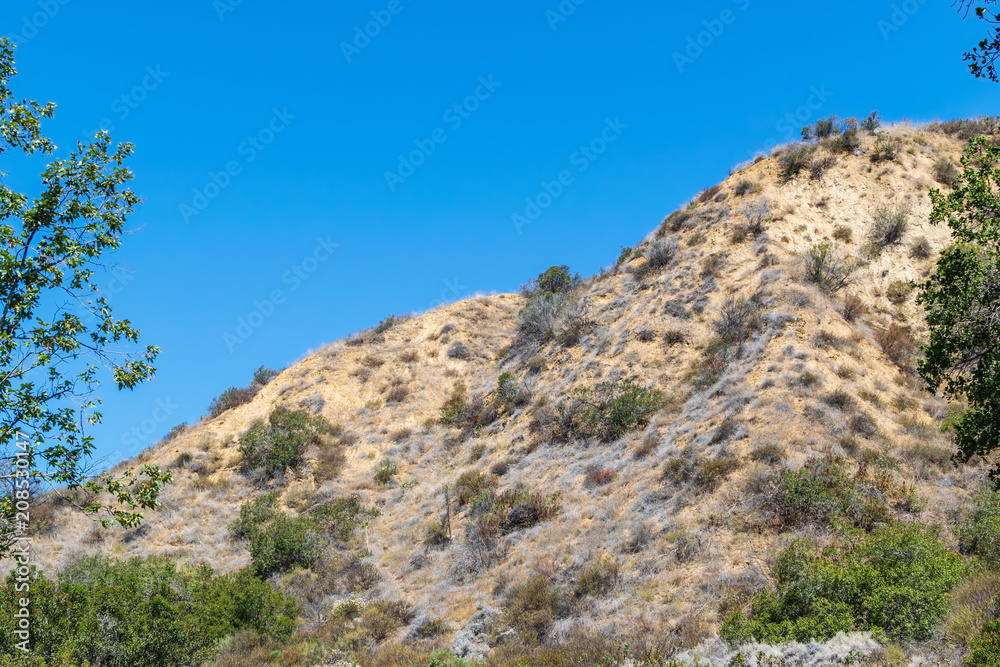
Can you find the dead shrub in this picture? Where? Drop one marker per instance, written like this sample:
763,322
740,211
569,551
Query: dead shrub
598,476
897,344
854,307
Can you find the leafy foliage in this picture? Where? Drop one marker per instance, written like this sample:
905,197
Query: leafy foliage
893,583
962,301
278,542
141,613
824,490
613,408
341,516
980,532
271,447
57,331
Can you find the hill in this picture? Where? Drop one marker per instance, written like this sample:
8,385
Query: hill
640,446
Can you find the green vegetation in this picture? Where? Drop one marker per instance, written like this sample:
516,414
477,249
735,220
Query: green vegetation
980,533
236,396
273,446
824,490
961,301
893,583
143,612
341,516
278,542
385,471
826,267
58,334
613,408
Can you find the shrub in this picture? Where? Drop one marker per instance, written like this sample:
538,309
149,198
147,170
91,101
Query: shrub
141,612
973,606
597,578
841,400
886,148
863,424
613,408
984,650
645,335
598,476
854,307
757,214
770,453
714,472
967,128
820,166
673,337
473,488
646,447
921,248
236,396
823,491
828,269
708,194
376,334
740,318
980,532
279,443
843,233
341,516
660,253
747,187
554,280
889,224
893,583
897,343
468,412
530,608
459,350
385,471
794,158
871,123
899,291
848,142
277,541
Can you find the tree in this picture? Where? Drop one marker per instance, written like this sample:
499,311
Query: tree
982,58
962,301
51,362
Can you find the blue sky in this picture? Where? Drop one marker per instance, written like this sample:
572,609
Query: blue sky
303,179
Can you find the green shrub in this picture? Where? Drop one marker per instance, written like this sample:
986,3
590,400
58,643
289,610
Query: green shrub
509,393
341,516
613,408
746,187
597,578
554,280
823,490
886,148
893,583
271,447
980,532
530,608
794,158
899,291
385,471
828,269
277,542
236,396
143,612
985,648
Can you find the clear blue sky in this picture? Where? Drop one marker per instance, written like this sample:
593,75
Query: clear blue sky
307,117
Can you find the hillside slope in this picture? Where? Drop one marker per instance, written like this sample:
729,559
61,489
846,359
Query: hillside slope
758,369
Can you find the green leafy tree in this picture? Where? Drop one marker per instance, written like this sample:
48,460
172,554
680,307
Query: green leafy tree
983,57
51,361
962,301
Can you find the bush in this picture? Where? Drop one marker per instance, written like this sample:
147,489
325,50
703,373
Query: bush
899,291
142,612
236,396
889,224
280,443
597,578
893,583
848,142
921,248
554,280
823,491
828,269
740,319
984,651
757,214
376,334
530,608
886,148
871,123
843,233
854,307
945,171
980,532
341,516
820,166
613,408
277,541
968,128
660,253
708,194
598,476
509,393
747,187
898,345
794,158
385,471
973,606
